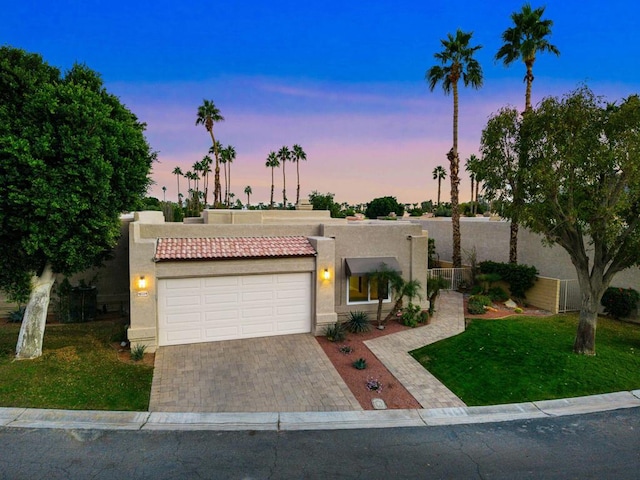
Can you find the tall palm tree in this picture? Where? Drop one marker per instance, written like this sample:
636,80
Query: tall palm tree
164,194
439,173
205,168
284,155
471,166
178,173
527,37
208,114
456,62
196,167
272,162
248,192
298,154
230,156
223,162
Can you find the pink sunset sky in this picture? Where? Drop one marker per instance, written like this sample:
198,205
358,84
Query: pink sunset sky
345,80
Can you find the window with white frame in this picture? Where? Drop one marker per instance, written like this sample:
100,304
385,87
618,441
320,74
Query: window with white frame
364,289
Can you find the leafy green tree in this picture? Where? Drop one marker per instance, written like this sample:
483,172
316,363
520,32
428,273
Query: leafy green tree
383,206
298,154
325,201
72,159
581,190
207,115
457,63
439,174
524,40
272,162
503,168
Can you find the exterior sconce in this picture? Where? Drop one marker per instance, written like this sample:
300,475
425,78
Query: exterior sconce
326,275
142,283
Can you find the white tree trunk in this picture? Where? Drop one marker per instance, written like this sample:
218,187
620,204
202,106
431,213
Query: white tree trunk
35,317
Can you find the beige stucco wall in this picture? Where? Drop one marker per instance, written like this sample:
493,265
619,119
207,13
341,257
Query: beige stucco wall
403,240
333,239
491,241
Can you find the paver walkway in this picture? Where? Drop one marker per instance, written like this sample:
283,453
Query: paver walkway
392,350
291,373
288,373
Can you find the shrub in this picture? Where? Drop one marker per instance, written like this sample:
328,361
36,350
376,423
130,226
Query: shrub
497,294
335,332
517,310
519,277
137,352
411,315
374,385
358,322
346,349
360,364
16,315
476,304
619,302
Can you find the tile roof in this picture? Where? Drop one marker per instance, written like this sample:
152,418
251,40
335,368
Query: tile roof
232,247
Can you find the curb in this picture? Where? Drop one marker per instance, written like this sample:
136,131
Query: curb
292,421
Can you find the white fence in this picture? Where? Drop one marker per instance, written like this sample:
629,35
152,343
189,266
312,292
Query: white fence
453,276
570,299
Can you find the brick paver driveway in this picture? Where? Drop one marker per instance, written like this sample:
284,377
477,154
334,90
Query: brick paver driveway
287,373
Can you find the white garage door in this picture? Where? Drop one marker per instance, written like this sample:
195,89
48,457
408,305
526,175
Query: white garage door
206,309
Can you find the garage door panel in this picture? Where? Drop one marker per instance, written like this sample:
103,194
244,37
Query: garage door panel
216,299
223,308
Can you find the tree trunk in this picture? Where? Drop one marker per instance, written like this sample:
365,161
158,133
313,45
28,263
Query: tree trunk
35,317
585,342
284,188
298,178
454,163
529,79
379,312
513,242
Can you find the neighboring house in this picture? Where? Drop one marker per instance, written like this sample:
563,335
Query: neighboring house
241,274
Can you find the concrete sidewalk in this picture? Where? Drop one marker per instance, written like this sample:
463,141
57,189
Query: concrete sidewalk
289,421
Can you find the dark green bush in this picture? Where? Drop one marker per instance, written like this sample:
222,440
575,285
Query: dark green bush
619,302
16,315
519,277
358,322
476,304
497,294
411,315
335,332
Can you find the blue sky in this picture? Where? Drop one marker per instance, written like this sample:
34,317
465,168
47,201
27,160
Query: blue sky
345,80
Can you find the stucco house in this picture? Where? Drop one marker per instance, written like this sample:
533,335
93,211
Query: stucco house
240,274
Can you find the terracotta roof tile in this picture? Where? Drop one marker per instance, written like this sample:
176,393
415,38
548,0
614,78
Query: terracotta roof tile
232,247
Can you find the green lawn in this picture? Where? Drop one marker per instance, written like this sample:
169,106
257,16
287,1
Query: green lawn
528,359
79,369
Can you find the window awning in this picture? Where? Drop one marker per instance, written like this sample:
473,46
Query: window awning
363,266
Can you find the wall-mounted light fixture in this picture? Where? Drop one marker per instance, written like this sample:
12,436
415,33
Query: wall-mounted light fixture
326,275
142,282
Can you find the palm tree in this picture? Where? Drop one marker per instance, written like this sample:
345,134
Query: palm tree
272,162
457,63
284,155
230,156
384,279
526,38
197,167
523,41
164,194
248,192
298,154
471,166
178,173
223,162
439,173
208,114
205,168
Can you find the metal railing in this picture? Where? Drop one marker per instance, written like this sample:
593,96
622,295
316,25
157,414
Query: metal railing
569,299
453,276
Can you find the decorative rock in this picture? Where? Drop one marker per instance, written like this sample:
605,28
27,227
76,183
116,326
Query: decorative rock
378,404
510,304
